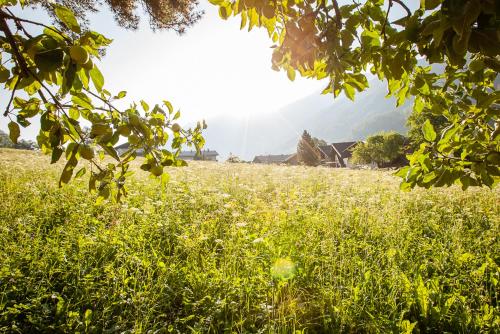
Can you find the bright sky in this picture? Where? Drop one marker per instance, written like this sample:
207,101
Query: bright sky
212,69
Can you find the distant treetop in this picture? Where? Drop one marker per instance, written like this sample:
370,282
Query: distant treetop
176,15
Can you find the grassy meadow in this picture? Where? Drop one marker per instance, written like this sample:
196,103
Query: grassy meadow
238,248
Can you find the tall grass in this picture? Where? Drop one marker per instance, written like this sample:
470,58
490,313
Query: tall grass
243,248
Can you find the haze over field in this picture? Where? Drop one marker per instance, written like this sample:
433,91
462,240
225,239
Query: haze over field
332,120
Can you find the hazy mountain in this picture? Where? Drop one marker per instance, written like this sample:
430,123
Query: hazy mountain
324,117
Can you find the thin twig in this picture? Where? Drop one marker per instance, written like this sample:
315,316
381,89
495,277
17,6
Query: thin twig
12,41
386,18
103,100
11,97
401,3
15,18
18,24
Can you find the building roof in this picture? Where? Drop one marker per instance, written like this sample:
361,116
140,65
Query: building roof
276,158
291,157
343,149
124,146
192,154
183,154
326,149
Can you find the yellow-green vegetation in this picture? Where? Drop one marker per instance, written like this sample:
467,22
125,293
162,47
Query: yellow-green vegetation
242,248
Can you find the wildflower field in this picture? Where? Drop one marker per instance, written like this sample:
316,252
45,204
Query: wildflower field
239,248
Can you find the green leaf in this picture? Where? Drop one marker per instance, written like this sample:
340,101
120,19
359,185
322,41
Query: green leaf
48,61
476,65
402,172
253,18
121,95
370,38
86,152
164,180
97,78
393,86
290,72
66,16
169,106
429,4
225,12
69,78
428,131
349,91
156,170
82,75
54,33
8,2
46,121
56,154
494,158
4,74
419,104
145,106
429,177
99,129
111,151
74,113
29,108
14,131
87,317
358,81
402,95
81,172
71,149
83,101
68,169
243,20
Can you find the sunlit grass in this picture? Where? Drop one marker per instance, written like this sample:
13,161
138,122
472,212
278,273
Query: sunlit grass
245,248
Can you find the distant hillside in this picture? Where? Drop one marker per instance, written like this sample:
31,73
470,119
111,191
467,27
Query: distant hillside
324,117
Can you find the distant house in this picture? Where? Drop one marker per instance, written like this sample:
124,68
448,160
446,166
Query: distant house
327,155
120,149
337,154
205,155
271,159
292,159
184,155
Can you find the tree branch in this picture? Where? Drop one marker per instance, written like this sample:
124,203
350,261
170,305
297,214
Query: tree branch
401,3
103,100
386,18
12,41
18,24
18,19
338,15
11,97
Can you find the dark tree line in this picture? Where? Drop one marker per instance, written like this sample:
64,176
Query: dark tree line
21,144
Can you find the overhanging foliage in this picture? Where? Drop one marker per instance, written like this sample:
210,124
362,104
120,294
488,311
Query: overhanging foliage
54,75
344,41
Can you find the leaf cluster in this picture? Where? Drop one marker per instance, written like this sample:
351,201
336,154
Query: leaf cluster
383,149
54,75
345,41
